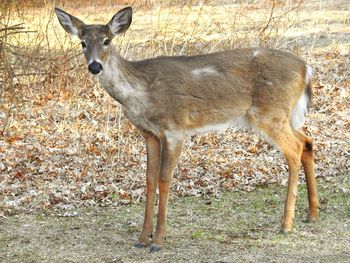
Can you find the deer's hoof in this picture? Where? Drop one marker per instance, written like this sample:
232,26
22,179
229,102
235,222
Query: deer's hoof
140,245
155,248
313,217
285,231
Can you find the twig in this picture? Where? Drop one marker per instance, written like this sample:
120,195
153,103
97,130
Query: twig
268,21
17,32
14,27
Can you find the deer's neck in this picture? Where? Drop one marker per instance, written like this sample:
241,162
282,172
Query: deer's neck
128,86
120,79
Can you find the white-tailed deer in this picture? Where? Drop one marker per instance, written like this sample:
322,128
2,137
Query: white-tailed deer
168,98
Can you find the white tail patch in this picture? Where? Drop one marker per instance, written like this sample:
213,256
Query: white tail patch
308,74
297,116
206,71
299,111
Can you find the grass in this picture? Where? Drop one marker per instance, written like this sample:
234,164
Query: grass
236,227
62,140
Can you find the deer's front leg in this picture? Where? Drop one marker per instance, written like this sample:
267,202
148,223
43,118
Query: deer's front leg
171,150
153,166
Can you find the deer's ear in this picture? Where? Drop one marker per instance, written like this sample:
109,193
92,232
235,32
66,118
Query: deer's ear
70,23
121,21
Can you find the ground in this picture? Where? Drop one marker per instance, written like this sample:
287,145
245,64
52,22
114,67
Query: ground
238,227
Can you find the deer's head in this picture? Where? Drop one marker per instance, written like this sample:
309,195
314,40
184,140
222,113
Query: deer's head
96,39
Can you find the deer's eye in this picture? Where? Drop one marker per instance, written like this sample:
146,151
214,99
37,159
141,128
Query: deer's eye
106,42
83,44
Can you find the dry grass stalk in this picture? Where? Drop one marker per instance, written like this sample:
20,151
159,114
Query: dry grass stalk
65,142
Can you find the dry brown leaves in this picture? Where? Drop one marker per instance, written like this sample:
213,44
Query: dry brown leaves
69,147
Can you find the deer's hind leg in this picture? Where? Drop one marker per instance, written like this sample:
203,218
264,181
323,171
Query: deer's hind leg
307,159
279,131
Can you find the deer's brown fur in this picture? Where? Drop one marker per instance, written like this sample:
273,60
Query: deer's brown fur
167,98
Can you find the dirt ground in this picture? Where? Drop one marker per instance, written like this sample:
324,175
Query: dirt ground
239,227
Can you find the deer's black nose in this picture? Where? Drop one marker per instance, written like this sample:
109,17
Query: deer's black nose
95,67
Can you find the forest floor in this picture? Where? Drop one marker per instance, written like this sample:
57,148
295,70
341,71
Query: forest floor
238,227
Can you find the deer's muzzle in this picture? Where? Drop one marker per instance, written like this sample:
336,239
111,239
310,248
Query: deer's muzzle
95,67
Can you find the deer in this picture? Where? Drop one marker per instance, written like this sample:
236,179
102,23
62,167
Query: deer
170,97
